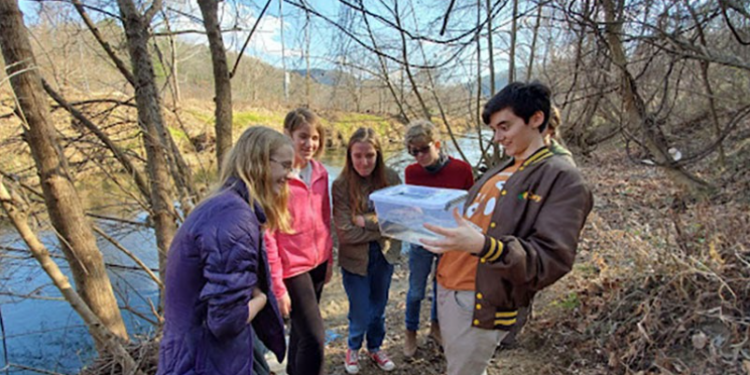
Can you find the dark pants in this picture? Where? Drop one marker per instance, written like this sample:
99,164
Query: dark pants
368,296
307,339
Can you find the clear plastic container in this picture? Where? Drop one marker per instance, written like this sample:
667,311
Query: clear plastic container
403,209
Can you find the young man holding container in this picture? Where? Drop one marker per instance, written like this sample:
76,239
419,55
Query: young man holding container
433,168
530,210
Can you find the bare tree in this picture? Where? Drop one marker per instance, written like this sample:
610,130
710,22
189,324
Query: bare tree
532,49
222,80
635,106
63,204
157,140
513,35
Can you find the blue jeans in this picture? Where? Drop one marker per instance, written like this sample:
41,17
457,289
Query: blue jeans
420,267
368,296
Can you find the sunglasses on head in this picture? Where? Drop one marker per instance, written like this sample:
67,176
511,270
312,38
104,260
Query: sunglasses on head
414,151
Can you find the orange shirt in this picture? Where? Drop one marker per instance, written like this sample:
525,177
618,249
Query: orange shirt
457,270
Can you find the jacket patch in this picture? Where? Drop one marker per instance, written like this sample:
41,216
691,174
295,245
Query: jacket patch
528,195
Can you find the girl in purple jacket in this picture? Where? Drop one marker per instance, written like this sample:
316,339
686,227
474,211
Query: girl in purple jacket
218,285
301,261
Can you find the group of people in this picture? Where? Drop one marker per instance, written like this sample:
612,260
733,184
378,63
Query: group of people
260,248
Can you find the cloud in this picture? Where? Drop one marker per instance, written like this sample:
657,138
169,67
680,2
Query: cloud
266,40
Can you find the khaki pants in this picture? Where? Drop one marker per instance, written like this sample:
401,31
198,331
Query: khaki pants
468,349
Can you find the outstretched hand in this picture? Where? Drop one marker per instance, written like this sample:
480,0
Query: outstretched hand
465,237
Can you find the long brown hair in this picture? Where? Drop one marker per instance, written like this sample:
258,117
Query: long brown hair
250,161
299,116
355,182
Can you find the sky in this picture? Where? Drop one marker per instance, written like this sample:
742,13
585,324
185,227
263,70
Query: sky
266,41
290,21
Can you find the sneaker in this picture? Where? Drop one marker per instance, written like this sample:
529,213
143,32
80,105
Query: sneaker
381,359
351,362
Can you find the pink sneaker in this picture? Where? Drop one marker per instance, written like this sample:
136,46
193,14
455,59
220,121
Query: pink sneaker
351,362
381,359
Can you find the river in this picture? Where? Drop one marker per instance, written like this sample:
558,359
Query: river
42,331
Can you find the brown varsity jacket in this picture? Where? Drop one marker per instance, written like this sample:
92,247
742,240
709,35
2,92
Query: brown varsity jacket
532,238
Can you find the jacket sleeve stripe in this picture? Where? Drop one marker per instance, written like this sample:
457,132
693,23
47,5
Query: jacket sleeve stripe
491,244
499,251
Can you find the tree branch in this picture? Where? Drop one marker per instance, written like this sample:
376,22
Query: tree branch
247,41
445,18
105,45
118,153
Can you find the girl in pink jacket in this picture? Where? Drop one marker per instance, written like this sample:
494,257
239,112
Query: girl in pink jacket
301,261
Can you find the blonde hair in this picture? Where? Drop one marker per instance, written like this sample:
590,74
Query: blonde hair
554,122
250,161
358,197
420,130
300,116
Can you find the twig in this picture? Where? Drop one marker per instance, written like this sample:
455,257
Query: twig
118,220
445,18
130,254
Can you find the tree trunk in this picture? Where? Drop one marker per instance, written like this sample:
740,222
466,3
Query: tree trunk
512,53
707,83
107,340
478,112
155,134
283,52
496,152
533,42
63,204
489,48
635,106
173,71
222,83
307,59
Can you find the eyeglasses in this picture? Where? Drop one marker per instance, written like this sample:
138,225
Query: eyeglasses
414,151
286,165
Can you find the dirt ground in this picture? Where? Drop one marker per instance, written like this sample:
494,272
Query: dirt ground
530,356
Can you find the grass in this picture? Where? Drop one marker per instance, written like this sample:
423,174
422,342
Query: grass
242,119
348,122
344,123
568,302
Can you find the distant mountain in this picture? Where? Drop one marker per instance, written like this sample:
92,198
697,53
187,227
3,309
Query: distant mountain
501,80
323,76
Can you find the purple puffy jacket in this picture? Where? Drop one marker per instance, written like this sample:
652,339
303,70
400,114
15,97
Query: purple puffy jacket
217,257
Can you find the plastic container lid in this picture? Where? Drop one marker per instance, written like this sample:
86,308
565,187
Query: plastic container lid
422,196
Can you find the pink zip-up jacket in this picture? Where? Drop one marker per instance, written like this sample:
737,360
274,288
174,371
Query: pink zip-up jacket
311,244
